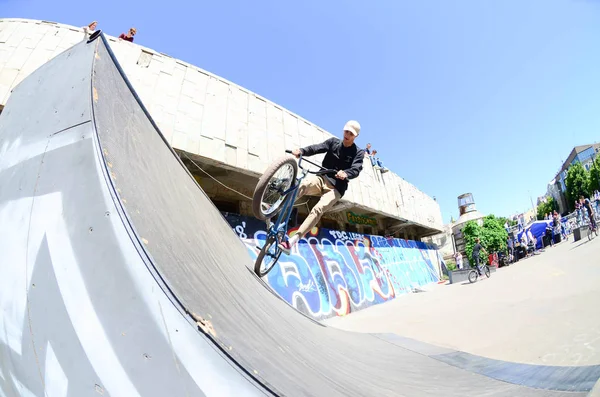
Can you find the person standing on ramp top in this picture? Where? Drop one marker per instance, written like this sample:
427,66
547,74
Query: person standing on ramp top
342,155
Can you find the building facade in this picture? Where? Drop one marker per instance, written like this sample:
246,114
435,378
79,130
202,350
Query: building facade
557,187
225,134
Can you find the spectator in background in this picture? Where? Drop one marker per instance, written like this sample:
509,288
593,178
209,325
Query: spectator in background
532,241
377,164
563,230
91,28
129,35
578,210
556,229
549,234
586,205
511,248
458,259
524,241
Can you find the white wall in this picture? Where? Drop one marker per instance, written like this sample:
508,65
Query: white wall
204,114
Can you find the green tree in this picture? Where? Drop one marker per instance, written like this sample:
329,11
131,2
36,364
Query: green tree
594,180
545,208
491,233
470,232
494,235
577,182
503,220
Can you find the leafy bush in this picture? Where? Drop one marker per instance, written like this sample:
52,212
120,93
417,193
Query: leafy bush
451,266
471,231
492,235
503,220
546,208
594,176
577,182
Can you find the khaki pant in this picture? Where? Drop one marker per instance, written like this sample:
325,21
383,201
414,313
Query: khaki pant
314,185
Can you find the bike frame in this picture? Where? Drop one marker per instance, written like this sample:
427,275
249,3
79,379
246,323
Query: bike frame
280,226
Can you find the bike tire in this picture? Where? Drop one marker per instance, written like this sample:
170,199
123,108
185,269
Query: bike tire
472,276
263,182
487,271
261,255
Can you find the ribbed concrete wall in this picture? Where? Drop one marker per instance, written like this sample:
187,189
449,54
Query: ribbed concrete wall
204,114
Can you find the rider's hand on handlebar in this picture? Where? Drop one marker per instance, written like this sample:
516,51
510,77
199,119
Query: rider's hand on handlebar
296,152
341,175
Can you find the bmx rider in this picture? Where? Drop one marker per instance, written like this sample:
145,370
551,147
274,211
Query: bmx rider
340,154
586,203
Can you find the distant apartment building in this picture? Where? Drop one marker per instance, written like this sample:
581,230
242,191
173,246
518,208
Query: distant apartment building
557,187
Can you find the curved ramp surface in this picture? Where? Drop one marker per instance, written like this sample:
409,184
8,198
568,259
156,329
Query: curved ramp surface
121,277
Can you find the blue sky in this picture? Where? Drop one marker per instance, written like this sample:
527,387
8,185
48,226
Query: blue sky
457,96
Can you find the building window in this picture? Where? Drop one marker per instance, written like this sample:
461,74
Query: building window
327,224
144,59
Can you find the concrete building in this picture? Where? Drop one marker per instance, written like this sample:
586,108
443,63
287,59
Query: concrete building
583,154
225,134
468,212
451,239
443,242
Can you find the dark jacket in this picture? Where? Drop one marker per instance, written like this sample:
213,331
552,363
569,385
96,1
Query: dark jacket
337,157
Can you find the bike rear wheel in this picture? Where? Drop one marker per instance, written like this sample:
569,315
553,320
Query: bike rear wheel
268,256
278,178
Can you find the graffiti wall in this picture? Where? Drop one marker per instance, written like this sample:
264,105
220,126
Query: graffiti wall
333,273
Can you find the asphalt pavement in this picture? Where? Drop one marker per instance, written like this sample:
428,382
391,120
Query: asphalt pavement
540,310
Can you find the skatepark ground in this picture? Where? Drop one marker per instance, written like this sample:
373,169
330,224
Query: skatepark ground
541,310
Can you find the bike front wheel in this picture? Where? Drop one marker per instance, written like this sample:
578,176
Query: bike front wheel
268,194
487,271
472,276
267,257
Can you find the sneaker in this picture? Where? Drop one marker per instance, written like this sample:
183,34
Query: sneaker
286,247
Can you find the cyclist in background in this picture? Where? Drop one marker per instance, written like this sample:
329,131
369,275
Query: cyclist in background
476,249
587,204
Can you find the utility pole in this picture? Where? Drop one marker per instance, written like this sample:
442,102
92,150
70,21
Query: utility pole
532,206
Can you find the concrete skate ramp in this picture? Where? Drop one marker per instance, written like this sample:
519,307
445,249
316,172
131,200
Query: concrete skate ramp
122,278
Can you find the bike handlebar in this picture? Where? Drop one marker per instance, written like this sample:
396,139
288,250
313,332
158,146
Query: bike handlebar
321,172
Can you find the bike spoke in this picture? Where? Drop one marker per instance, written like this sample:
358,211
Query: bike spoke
279,183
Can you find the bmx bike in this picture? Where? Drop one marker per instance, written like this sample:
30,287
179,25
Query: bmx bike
474,274
275,193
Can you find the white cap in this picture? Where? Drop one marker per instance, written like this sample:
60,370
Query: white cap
353,127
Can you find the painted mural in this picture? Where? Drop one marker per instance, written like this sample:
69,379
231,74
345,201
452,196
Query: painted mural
333,273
